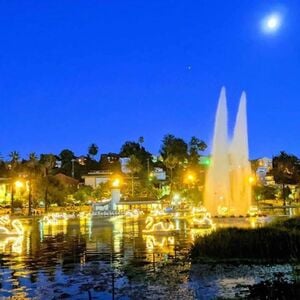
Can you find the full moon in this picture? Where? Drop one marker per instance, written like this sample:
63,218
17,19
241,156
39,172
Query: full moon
271,23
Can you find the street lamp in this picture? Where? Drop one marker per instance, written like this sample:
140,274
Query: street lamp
116,183
19,184
251,180
14,185
190,179
73,170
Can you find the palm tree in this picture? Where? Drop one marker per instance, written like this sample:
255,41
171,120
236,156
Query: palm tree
47,163
32,169
15,156
171,162
134,165
93,150
13,165
141,141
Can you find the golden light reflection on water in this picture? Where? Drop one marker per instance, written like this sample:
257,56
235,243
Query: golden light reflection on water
53,229
11,245
50,248
164,244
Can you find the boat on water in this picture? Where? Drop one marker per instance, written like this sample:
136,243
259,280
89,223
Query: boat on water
161,227
11,229
203,222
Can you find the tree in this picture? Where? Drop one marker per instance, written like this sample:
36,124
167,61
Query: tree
110,162
262,192
141,141
32,169
15,156
102,191
93,150
134,165
132,148
47,164
67,160
171,162
195,146
286,171
83,194
172,145
13,166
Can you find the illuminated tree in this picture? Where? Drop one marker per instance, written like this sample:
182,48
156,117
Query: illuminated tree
286,170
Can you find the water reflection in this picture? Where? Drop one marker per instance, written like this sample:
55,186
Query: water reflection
67,255
11,245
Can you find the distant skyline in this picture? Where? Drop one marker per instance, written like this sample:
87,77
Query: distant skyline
104,72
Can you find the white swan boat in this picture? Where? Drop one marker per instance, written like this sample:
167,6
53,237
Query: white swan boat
15,228
204,222
161,227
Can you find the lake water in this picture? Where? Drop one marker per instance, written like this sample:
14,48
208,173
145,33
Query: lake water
106,258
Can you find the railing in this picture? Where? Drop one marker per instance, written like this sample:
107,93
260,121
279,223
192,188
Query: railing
107,213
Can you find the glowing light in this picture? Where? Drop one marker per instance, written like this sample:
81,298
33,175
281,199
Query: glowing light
153,242
15,230
116,183
176,197
190,177
159,227
251,179
19,184
15,242
199,210
205,222
253,211
54,218
4,220
222,210
271,23
133,213
49,219
207,161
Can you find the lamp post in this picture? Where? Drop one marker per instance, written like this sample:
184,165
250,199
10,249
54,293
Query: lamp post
73,169
15,185
190,179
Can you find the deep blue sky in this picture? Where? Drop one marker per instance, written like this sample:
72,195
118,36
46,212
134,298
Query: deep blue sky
77,72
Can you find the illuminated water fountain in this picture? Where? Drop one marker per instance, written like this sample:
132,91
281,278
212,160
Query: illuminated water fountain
227,187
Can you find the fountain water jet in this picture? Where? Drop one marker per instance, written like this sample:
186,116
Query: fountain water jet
240,169
227,186
217,186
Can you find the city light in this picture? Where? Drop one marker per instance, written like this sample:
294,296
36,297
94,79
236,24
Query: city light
19,184
116,183
15,229
251,179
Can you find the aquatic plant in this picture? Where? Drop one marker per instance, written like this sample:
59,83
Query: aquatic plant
279,242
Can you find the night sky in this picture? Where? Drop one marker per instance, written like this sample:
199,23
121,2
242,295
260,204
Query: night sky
77,72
